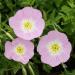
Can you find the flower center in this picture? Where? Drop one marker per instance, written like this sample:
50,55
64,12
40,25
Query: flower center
28,25
54,48
20,50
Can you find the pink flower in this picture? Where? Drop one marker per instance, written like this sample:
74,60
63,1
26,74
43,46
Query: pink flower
54,48
19,50
27,23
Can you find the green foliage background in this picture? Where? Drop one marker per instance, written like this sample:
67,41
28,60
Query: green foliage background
58,14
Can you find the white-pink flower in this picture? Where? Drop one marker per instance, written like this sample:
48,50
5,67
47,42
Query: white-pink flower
19,50
27,23
54,48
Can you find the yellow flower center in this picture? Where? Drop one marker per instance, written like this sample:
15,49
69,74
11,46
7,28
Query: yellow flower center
20,50
28,25
54,48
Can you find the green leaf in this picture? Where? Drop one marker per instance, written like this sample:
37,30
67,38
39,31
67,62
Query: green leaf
9,4
47,68
71,3
65,9
7,65
69,73
16,66
26,2
58,2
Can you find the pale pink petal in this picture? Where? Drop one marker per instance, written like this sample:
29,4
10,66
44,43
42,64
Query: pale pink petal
11,54
27,13
61,57
8,50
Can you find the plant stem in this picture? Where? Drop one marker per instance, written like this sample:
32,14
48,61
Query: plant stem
30,68
24,70
58,26
54,27
8,34
2,73
64,67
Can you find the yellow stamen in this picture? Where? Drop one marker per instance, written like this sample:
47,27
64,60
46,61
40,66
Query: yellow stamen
54,48
20,50
27,25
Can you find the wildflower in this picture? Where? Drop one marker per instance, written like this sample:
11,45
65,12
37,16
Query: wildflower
19,50
54,48
27,23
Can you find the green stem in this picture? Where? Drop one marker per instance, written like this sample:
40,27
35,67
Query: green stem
0,17
24,70
33,1
8,34
54,26
30,68
58,26
64,67
2,73
6,72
